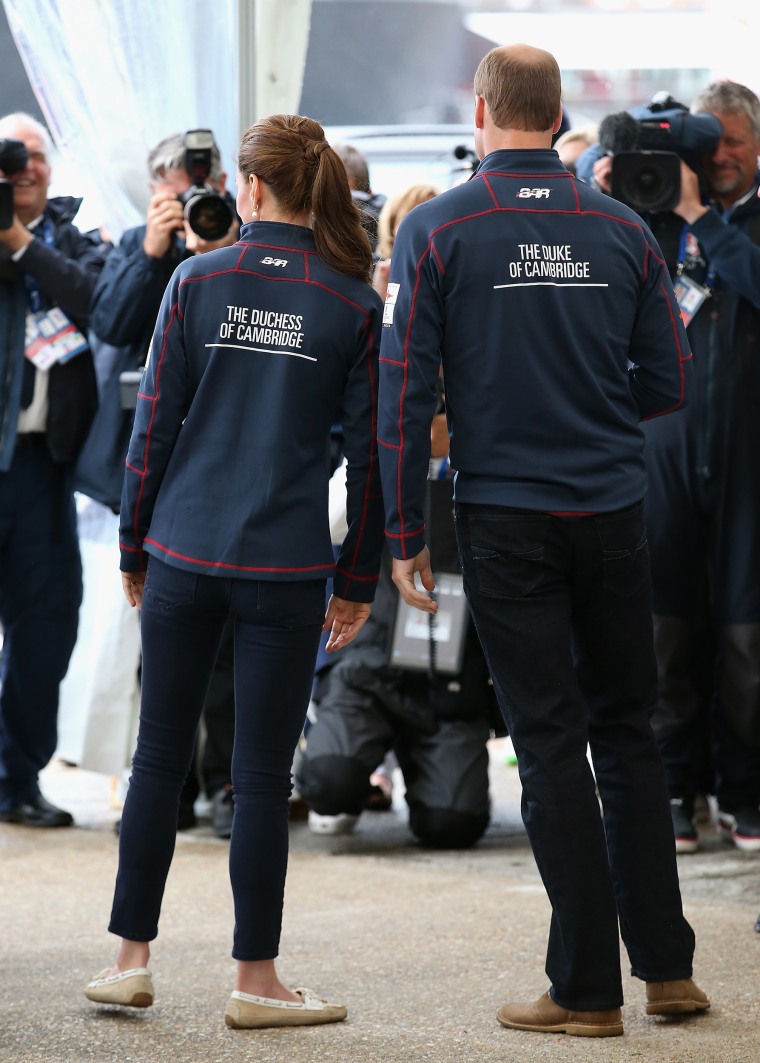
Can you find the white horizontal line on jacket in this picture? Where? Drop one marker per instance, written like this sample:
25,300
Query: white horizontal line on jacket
262,350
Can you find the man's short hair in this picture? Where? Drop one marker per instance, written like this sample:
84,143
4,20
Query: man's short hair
169,154
355,164
9,121
729,97
522,87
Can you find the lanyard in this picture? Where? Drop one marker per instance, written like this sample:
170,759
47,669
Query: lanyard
711,275
34,296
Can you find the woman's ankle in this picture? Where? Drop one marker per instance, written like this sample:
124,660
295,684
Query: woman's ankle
132,954
260,979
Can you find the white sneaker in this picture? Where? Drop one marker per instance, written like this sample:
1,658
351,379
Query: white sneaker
343,823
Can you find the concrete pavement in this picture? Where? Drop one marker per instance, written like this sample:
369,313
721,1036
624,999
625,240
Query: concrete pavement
422,946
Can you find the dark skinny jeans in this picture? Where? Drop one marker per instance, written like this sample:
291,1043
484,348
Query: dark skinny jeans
277,632
563,611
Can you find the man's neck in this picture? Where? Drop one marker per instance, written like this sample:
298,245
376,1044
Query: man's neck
518,139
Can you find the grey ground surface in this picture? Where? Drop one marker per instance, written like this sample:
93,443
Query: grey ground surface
422,946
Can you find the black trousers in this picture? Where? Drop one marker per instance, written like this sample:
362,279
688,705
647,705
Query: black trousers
563,611
40,595
277,631
704,535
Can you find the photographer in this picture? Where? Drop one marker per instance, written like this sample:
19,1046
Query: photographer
703,501
124,310
438,724
126,300
48,270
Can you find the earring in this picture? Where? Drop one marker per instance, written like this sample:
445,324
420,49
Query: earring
254,210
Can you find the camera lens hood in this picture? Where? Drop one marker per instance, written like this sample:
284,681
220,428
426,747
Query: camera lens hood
208,214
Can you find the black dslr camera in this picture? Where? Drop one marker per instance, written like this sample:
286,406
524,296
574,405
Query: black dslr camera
13,159
208,213
647,145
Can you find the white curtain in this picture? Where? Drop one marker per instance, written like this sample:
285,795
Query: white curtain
113,77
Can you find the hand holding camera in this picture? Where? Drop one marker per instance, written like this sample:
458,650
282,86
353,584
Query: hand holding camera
648,147
199,212
690,206
165,217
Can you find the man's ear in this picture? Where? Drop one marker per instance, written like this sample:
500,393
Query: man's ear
480,111
557,121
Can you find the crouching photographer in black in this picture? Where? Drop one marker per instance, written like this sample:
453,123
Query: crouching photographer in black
424,695
703,503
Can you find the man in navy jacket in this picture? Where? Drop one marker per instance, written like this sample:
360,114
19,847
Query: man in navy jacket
49,269
125,305
551,311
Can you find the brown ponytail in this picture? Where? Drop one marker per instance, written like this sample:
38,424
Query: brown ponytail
290,154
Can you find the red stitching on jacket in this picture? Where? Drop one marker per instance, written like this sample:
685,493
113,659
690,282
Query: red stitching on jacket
372,446
143,475
238,568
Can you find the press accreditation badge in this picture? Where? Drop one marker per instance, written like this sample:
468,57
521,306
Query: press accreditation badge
390,304
51,338
690,296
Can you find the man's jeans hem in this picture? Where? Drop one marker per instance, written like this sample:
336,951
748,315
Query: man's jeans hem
595,1005
674,975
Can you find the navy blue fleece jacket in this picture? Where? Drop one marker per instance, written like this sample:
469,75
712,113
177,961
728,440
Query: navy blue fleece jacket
258,350
553,314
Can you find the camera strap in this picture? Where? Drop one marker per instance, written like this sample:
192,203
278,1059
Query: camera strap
50,336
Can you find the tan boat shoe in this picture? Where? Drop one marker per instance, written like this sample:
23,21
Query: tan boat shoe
546,1016
131,989
679,997
248,1012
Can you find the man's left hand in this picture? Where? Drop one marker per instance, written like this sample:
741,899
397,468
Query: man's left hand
403,577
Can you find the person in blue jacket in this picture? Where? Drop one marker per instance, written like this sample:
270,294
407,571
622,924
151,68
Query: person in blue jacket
124,307
258,350
550,308
126,301
48,270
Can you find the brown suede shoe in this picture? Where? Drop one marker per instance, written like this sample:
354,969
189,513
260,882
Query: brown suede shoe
546,1016
675,998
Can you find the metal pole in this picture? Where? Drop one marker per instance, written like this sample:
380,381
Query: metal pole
246,52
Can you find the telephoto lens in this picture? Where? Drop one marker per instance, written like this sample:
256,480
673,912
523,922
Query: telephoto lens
13,156
208,214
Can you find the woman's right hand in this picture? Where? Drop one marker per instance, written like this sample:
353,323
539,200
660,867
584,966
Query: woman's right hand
132,584
344,620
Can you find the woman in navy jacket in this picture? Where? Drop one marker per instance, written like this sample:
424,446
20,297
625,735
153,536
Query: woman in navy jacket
258,350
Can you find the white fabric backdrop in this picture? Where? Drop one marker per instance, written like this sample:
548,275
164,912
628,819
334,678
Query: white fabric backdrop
113,77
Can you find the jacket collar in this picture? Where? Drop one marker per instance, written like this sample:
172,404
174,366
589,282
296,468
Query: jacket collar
62,208
279,233
522,160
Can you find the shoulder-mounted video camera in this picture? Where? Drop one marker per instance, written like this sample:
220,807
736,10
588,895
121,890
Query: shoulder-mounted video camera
647,145
208,213
13,159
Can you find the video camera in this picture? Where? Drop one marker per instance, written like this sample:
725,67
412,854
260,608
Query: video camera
207,212
13,159
647,145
